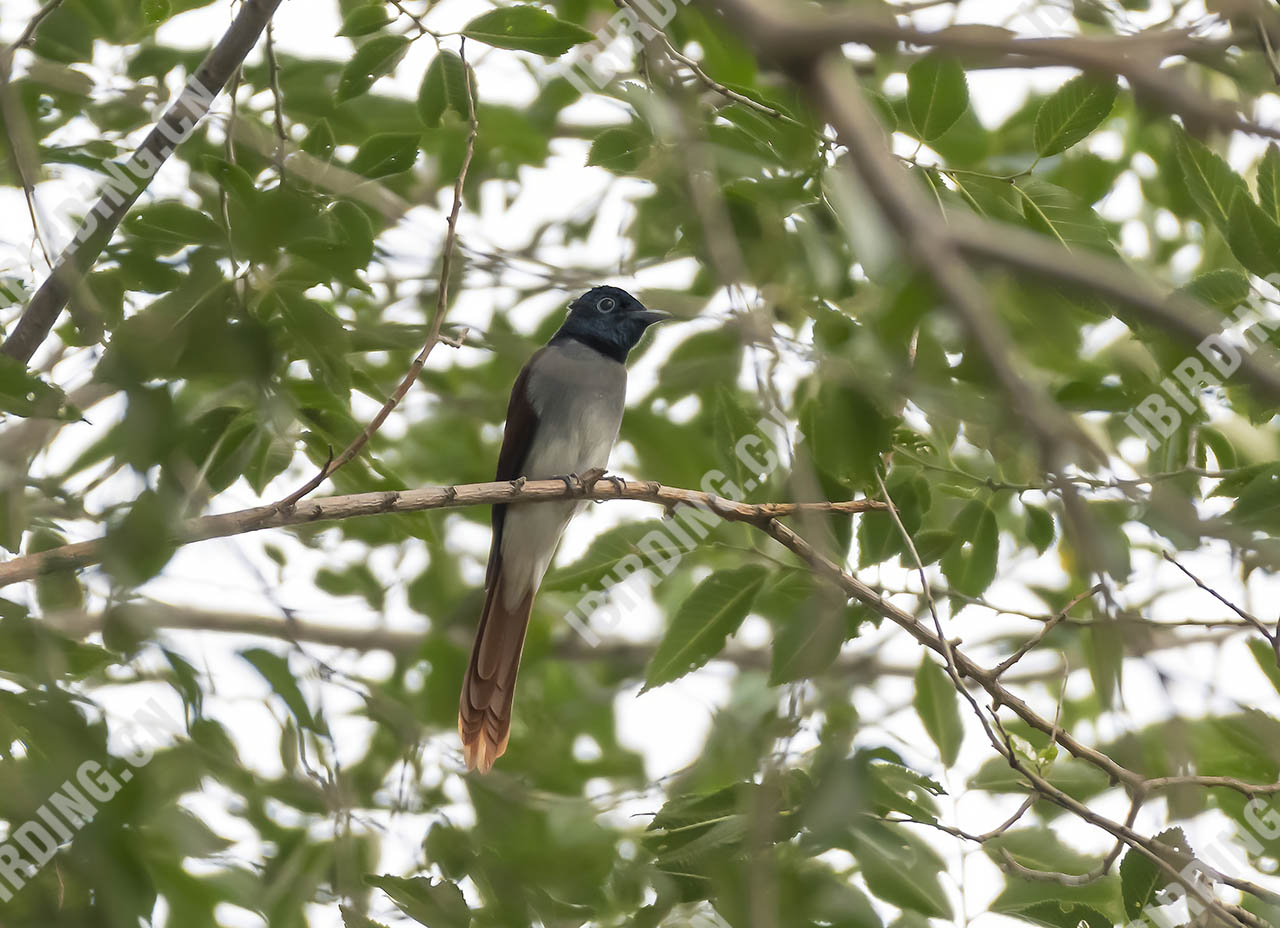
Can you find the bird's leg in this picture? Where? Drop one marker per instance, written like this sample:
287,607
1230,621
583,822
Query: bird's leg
570,480
618,482
590,478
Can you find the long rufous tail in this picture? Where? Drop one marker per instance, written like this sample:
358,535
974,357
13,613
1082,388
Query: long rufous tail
484,711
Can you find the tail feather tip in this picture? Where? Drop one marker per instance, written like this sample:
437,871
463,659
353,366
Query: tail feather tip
479,750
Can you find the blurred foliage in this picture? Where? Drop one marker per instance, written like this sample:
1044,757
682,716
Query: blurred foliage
244,326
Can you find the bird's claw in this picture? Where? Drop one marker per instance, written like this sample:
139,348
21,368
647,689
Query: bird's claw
583,482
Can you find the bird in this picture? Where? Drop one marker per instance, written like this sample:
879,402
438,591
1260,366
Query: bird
562,420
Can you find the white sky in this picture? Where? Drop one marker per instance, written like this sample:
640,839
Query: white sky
669,724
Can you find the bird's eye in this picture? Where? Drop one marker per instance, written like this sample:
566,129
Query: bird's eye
606,305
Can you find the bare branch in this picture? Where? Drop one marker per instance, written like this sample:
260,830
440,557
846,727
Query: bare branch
1049,625
150,617
835,92
1248,617
796,33
41,15
333,508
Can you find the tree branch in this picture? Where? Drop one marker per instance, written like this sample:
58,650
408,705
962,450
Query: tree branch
82,554
150,617
834,90
98,226
795,33
1175,313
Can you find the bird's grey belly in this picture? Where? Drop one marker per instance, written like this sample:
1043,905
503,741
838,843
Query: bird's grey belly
576,432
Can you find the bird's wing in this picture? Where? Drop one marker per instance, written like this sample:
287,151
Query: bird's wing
517,439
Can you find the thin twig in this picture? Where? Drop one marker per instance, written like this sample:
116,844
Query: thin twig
433,337
1248,617
1049,625
277,99
41,15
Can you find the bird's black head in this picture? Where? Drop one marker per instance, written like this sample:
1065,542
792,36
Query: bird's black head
608,319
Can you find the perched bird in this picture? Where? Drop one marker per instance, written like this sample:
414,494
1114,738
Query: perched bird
563,418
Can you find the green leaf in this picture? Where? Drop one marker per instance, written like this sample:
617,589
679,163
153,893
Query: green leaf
444,87
1074,777
1020,895
232,178
1039,847
846,432
742,452
1254,237
172,226
437,903
654,541
1062,914
1141,878
1265,655
353,919
883,109
13,519
156,11
900,868
805,647
939,709
1269,182
1221,288
1039,527
619,149
365,19
891,787
1073,111
526,28
59,590
933,543
937,94
386,153
1062,215
29,650
1209,179
880,538
711,613
320,336
141,543
319,140
23,393
1104,650
275,670
372,60
810,624
971,566
1223,452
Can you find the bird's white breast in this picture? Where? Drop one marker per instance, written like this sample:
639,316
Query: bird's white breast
578,395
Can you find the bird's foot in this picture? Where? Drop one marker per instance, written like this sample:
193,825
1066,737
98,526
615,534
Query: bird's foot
583,482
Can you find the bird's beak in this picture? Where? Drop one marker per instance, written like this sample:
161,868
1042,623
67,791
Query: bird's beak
650,316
